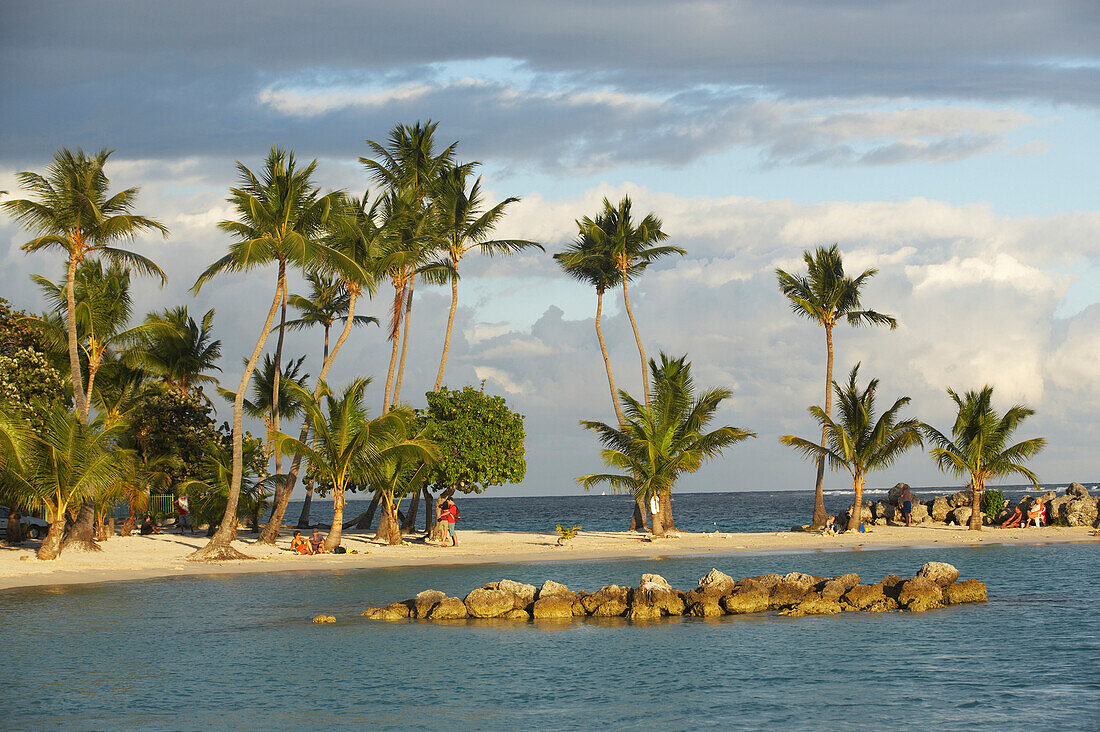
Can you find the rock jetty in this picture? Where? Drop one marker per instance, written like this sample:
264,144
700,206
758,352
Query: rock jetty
1075,507
936,585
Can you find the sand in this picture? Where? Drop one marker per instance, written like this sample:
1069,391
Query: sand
135,558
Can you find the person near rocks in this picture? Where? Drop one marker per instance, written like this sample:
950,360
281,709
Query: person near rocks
830,526
183,507
1037,513
449,514
1013,521
317,542
300,544
907,505
148,526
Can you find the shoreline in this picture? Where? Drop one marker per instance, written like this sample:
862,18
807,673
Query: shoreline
137,558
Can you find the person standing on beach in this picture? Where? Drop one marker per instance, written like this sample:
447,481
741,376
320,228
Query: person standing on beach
449,517
183,505
907,505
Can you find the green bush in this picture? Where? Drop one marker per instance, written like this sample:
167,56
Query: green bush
993,502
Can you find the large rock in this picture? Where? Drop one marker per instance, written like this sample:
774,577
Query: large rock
1077,490
704,600
891,585
716,583
970,590
424,601
960,516
550,588
607,602
894,494
524,594
960,498
750,596
940,508
553,607
396,611
655,592
920,594
1047,497
834,589
787,594
1081,512
449,608
806,581
516,614
941,573
767,581
863,597
489,603
815,606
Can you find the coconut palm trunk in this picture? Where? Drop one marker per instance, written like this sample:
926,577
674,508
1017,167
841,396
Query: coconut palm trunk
74,354
307,504
447,336
335,532
51,545
607,360
637,339
389,528
395,329
855,516
820,516
404,342
271,530
658,524
976,488
279,365
219,546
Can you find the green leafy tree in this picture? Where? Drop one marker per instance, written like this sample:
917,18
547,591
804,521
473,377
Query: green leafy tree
826,296
29,385
858,442
70,209
465,224
171,431
664,440
979,445
17,331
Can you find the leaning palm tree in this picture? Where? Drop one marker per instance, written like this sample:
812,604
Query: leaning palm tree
184,355
632,248
664,440
259,406
71,210
978,446
858,442
826,296
282,216
346,445
66,464
464,225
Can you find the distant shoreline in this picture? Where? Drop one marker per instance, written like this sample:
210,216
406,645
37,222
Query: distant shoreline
138,558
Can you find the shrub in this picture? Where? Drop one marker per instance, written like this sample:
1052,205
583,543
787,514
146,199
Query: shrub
565,534
993,502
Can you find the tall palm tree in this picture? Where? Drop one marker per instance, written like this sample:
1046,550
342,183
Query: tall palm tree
978,446
858,442
71,209
354,238
632,247
664,439
281,218
184,355
104,307
67,463
326,303
464,225
347,445
826,296
260,406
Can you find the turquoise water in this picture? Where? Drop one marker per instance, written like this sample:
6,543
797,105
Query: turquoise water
239,652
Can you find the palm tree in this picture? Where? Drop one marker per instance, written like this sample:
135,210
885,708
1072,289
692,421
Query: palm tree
408,165
182,356
68,463
282,216
104,306
260,406
664,439
632,248
978,446
825,296
347,446
326,303
465,225
859,443
70,209
354,238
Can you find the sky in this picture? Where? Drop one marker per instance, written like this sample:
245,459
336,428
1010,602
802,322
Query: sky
953,146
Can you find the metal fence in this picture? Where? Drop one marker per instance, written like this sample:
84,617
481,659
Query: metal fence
160,507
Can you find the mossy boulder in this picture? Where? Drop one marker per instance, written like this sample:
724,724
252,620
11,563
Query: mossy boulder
424,601
489,603
787,594
553,607
970,590
863,597
449,608
323,619
920,594
750,596
835,587
941,573
608,601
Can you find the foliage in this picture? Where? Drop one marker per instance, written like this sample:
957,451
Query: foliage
565,534
666,439
166,423
993,502
480,439
29,385
182,354
825,294
16,332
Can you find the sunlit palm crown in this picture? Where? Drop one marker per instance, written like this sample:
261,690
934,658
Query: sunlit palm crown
667,439
262,389
183,355
857,441
408,161
979,445
632,247
826,294
462,221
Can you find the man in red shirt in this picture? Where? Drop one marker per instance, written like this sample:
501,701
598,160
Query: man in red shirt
449,516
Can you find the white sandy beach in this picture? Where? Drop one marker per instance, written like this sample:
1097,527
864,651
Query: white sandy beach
165,555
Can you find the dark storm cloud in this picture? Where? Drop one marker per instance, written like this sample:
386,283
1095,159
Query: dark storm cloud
167,79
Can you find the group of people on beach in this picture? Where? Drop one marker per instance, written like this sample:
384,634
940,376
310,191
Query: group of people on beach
315,544
446,516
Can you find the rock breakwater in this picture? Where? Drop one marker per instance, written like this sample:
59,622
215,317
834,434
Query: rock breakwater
936,585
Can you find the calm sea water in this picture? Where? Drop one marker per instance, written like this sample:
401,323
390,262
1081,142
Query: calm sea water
741,511
239,652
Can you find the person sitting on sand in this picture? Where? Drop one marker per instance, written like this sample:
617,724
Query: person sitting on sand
317,542
299,544
148,526
1013,521
1037,513
830,526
